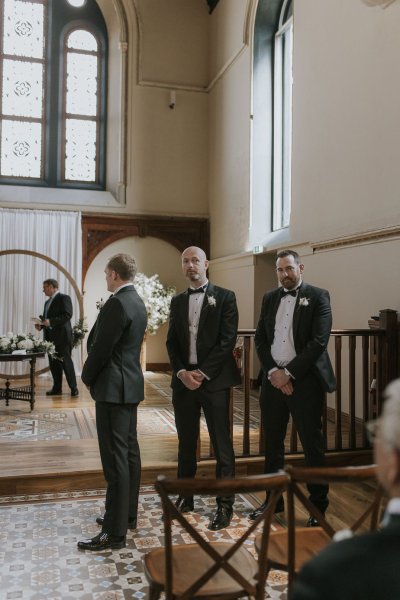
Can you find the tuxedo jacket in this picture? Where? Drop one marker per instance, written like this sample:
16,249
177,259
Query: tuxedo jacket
60,314
365,567
312,323
216,338
112,369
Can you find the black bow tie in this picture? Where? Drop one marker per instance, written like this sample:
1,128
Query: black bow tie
288,293
199,290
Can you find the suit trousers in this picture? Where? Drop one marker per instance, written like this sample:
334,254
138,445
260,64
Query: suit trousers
305,406
62,362
215,405
120,459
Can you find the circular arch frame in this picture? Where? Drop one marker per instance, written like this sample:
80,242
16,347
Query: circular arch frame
68,276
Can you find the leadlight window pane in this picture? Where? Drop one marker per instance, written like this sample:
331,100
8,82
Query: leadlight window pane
80,159
82,84
23,29
82,40
21,143
22,88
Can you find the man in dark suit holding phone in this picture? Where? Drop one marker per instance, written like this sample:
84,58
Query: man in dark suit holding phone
114,376
200,342
56,326
291,339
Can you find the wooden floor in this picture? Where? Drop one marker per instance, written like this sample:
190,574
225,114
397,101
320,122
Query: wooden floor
31,467
42,465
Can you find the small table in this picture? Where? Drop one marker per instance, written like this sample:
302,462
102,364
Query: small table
25,393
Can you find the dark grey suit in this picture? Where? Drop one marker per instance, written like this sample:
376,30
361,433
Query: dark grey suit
113,373
364,567
313,376
216,340
59,314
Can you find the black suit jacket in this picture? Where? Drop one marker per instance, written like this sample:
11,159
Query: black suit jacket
60,314
112,369
312,323
365,567
216,338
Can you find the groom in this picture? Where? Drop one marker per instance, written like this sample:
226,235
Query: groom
201,338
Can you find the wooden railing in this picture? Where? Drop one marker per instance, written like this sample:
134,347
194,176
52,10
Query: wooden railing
364,361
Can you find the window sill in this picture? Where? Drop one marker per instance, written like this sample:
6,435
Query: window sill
57,197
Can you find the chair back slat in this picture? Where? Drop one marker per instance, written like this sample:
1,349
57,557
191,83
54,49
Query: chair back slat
326,475
220,557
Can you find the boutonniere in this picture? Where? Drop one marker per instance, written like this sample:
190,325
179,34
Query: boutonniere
304,302
100,303
211,301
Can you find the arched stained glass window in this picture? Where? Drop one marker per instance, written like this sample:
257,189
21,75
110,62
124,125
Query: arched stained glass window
52,111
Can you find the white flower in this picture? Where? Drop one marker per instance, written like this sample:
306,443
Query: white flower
211,301
156,298
304,302
99,304
25,345
4,342
25,341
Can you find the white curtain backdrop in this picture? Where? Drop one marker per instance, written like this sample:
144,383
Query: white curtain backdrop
57,235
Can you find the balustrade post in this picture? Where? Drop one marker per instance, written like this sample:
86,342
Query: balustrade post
388,321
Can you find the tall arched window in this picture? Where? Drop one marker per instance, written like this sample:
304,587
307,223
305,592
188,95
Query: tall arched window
282,159
53,88
272,118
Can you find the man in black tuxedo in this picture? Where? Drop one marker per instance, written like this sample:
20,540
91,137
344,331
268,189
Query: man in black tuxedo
291,339
113,374
365,566
56,326
200,342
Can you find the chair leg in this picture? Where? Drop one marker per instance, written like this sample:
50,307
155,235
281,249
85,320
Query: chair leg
154,592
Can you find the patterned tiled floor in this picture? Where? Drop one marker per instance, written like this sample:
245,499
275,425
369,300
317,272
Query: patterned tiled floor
39,559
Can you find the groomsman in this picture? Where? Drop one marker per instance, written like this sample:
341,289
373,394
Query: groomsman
113,374
200,342
291,339
56,326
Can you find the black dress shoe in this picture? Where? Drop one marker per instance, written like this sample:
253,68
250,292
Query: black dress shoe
75,392
54,392
184,504
103,541
131,524
280,507
312,522
221,519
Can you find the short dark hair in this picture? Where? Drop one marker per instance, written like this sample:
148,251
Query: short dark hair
284,253
52,282
124,265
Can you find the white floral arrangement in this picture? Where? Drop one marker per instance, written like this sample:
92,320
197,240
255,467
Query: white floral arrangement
304,302
211,300
10,342
79,331
157,299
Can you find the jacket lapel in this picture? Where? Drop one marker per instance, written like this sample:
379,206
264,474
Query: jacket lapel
205,309
271,316
297,309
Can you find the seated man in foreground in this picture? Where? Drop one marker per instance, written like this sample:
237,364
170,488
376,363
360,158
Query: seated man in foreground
365,566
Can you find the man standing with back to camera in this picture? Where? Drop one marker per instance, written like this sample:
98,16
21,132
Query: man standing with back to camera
113,374
201,338
291,339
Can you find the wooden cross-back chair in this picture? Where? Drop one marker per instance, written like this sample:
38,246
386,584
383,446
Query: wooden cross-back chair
210,569
290,552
